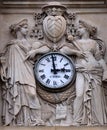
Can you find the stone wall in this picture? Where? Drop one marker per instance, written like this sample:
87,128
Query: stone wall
10,13
97,17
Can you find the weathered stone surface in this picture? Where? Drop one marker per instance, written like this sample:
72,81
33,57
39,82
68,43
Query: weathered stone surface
53,128
96,17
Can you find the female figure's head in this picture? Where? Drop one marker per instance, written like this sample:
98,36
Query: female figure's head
19,29
85,29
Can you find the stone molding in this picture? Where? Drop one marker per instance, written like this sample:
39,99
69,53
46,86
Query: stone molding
68,4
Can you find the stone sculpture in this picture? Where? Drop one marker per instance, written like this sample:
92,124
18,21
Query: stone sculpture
25,102
20,102
89,104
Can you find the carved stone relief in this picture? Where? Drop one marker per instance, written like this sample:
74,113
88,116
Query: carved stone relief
26,101
54,27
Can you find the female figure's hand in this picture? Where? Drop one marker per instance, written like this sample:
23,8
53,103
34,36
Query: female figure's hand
31,54
80,54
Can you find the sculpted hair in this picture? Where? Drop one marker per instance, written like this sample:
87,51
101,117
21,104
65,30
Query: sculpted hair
16,27
91,29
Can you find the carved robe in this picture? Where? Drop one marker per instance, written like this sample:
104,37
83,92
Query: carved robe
20,103
90,108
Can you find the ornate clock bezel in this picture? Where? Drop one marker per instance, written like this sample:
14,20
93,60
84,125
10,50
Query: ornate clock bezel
53,90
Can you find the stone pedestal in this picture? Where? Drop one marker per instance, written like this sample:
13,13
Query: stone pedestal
53,128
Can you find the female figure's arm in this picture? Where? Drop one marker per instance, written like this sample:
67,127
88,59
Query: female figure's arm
70,51
40,50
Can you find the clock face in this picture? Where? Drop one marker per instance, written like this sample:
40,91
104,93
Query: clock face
54,71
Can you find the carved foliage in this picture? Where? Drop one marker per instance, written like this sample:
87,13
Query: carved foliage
54,26
37,30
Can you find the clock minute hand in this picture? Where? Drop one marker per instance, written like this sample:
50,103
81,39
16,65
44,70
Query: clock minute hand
53,64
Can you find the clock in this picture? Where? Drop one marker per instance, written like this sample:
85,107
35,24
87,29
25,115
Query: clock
54,71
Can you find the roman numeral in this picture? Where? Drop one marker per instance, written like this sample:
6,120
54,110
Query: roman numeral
43,64
43,76
54,83
41,70
66,76
54,58
48,81
66,64
61,81
48,60
67,70
61,59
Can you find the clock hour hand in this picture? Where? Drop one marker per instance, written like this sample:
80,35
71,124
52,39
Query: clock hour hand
60,70
65,70
53,64
56,70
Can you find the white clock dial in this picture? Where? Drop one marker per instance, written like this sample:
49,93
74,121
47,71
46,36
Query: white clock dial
54,71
